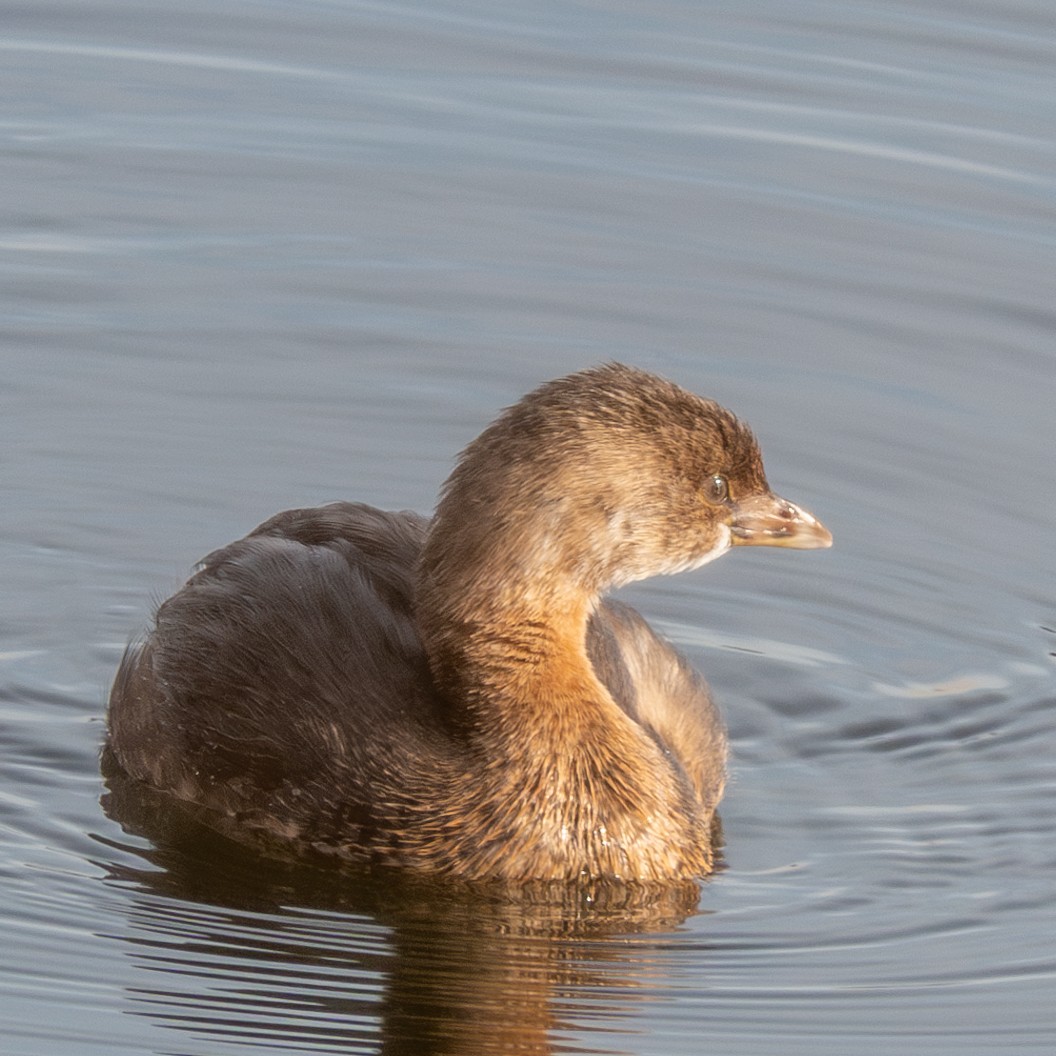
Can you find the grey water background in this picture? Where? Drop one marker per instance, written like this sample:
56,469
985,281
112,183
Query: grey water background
264,254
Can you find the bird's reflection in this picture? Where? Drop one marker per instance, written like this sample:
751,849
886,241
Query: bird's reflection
243,950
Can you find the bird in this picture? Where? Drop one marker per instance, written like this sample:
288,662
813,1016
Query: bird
457,696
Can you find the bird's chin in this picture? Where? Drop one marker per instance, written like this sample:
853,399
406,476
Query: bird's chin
687,564
672,564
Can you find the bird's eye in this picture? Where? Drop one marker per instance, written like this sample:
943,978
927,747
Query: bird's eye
716,488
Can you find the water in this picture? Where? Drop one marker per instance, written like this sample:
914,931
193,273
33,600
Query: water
268,254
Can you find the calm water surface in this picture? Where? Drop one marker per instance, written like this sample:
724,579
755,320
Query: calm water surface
255,255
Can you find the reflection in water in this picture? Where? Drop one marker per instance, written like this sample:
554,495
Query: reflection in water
263,952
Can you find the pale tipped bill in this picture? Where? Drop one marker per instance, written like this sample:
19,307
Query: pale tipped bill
769,520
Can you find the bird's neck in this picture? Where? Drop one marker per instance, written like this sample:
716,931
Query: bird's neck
510,663
513,663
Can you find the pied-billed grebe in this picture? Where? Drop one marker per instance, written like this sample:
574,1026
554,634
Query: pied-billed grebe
455,696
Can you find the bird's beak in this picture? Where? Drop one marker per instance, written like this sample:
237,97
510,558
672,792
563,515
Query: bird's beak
769,520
